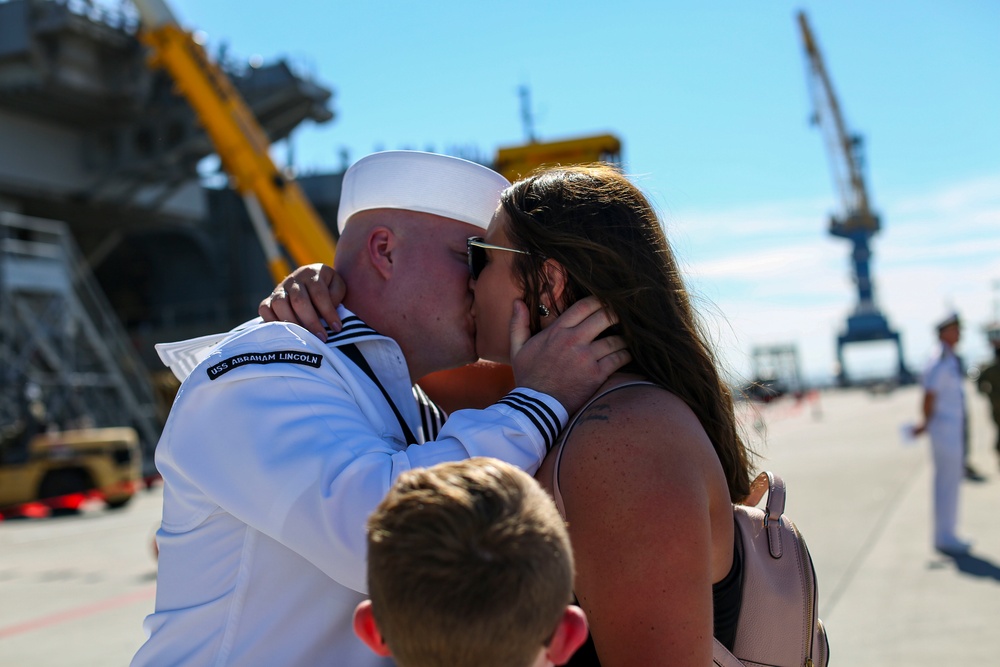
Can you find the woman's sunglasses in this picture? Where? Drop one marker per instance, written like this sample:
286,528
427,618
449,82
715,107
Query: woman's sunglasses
476,250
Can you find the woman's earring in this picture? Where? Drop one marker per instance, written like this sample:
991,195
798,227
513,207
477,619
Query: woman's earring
543,310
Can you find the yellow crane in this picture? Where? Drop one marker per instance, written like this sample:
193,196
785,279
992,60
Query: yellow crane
281,214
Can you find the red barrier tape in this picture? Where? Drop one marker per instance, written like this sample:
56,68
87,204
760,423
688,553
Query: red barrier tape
41,509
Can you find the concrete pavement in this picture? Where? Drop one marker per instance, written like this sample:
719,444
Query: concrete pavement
74,590
862,499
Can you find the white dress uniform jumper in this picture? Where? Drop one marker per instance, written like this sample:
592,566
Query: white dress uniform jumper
277,449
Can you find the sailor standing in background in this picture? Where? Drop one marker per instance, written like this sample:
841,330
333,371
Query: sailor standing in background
944,421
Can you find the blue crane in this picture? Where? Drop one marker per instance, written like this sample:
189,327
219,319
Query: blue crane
857,222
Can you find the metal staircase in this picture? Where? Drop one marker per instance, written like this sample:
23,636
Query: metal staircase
59,335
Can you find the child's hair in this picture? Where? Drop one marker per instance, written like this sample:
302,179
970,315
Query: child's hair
469,563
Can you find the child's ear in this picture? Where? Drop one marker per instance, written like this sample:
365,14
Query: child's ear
367,631
569,636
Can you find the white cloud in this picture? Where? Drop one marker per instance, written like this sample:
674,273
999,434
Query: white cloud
773,263
751,221
770,273
970,195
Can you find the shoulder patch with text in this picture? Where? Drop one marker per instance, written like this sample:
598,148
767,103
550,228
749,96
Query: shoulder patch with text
277,357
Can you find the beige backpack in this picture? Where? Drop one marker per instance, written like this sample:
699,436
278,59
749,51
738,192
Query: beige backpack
778,624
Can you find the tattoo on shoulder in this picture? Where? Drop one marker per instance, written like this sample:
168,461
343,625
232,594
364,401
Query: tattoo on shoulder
600,412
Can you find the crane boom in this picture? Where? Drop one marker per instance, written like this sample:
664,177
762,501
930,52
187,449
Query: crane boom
843,148
277,206
857,223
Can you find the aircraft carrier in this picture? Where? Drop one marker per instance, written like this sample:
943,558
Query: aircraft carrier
113,235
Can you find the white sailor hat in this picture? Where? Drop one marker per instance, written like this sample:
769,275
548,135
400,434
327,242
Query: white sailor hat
948,320
427,182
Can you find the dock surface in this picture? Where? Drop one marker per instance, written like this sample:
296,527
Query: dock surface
74,590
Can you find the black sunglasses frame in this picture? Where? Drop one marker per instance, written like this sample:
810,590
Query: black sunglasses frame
476,247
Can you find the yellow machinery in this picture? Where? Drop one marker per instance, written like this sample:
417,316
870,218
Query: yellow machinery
280,212
517,161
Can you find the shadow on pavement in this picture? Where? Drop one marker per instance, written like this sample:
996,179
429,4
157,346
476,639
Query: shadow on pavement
977,567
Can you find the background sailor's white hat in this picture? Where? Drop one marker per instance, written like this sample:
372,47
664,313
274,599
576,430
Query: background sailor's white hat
427,182
947,321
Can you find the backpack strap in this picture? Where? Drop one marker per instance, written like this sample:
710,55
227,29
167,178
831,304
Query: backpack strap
771,484
722,657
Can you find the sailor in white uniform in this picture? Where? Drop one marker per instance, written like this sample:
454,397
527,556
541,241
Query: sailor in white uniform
279,445
944,421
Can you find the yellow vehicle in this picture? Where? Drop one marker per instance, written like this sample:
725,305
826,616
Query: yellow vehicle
62,469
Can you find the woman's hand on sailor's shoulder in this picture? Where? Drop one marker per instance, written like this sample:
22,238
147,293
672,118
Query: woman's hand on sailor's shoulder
308,294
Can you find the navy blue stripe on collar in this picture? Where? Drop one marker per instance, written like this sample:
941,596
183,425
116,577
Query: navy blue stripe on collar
353,337
351,330
432,417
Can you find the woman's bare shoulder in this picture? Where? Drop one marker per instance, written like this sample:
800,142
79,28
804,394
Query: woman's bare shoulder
640,432
642,454
644,416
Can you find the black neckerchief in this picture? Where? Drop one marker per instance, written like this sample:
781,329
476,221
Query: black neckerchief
352,352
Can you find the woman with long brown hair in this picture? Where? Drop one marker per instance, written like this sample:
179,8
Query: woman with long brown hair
646,474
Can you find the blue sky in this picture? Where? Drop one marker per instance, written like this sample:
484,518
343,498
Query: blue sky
711,103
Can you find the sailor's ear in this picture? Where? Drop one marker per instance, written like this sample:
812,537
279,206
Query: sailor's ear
381,247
